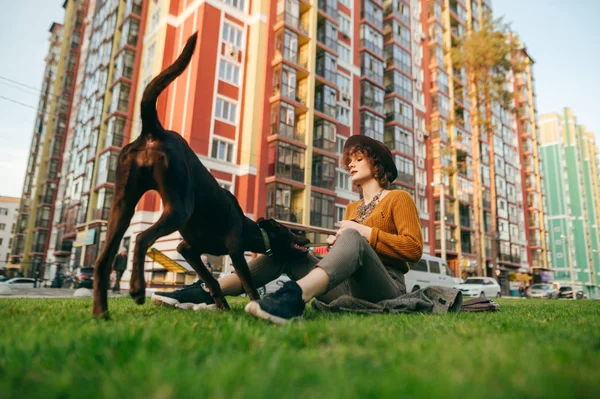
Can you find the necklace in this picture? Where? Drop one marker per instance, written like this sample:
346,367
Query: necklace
364,211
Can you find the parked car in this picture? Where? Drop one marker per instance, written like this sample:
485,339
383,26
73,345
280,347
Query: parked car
430,270
566,292
3,278
20,282
479,287
547,291
84,278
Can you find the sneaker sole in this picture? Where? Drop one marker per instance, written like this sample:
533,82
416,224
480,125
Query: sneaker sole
254,309
160,300
196,306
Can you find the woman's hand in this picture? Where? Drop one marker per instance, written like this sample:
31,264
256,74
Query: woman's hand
364,231
331,240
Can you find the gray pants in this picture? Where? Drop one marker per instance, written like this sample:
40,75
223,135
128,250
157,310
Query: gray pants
352,265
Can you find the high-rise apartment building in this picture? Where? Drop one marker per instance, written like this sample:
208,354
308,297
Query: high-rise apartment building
9,210
532,174
106,82
46,150
571,182
271,94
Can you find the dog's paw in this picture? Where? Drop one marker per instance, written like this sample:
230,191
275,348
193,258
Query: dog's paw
139,296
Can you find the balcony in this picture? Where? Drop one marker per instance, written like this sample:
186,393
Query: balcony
374,17
285,123
286,161
372,96
286,214
398,57
101,214
399,111
399,9
326,66
326,100
323,172
329,7
293,20
324,135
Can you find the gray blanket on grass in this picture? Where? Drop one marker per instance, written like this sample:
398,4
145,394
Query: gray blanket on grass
433,299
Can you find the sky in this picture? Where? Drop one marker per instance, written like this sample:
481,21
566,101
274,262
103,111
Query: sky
561,36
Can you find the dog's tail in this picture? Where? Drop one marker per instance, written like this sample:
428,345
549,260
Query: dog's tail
150,123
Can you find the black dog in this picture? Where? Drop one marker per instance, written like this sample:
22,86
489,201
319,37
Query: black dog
208,217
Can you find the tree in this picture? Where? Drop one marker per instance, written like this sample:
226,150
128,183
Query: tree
486,56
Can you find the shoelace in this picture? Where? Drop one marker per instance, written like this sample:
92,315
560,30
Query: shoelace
195,284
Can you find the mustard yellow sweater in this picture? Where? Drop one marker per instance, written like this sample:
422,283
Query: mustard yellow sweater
396,235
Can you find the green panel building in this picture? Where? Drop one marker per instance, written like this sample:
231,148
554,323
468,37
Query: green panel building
571,184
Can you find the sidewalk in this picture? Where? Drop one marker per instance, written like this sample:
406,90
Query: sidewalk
22,292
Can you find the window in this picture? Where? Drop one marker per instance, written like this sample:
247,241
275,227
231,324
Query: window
339,213
434,266
222,150
150,55
420,266
347,3
345,24
229,72
371,125
343,83
323,172
343,181
232,34
343,115
155,19
3,211
225,185
344,52
226,111
322,210
425,233
2,226
325,100
239,4
1,240
286,160
339,144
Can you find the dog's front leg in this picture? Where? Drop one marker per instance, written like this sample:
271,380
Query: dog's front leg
192,256
243,272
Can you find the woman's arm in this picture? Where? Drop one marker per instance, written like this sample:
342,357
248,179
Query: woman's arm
407,245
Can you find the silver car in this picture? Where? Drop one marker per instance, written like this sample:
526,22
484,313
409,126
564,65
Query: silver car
547,291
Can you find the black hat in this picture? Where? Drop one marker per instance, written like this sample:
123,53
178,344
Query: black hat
381,150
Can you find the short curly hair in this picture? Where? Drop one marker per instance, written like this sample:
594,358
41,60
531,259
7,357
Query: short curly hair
377,170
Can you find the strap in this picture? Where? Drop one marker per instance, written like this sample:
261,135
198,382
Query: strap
268,249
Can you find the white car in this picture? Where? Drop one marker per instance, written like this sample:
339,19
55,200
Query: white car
19,282
480,287
430,270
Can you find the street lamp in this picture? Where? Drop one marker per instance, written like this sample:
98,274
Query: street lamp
572,270
442,215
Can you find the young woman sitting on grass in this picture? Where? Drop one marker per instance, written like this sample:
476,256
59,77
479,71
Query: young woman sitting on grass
368,257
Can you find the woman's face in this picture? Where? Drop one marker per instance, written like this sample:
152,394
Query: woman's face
359,169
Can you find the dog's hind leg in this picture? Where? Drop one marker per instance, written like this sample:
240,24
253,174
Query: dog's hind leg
172,219
121,212
192,256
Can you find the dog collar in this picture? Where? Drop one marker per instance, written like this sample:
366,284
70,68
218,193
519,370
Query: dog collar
268,249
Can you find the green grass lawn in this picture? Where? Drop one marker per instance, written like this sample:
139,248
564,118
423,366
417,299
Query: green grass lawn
52,348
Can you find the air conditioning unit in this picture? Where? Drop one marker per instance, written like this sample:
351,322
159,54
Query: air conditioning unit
345,96
420,136
232,51
421,162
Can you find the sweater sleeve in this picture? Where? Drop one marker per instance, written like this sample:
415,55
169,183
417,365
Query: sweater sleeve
407,245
